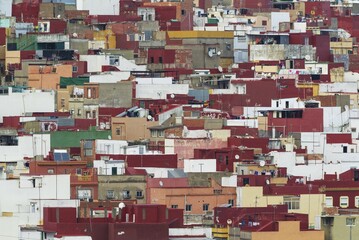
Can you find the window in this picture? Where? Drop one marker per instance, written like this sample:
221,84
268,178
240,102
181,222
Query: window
152,60
118,131
139,194
264,23
160,59
79,171
329,201
344,202
292,202
126,194
160,133
62,102
188,207
356,201
83,193
88,148
328,221
50,171
217,191
153,133
205,207
345,149
74,69
174,206
110,194
231,201
79,112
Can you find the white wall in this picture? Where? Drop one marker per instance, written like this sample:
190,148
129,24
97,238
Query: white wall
28,146
109,77
229,181
338,87
6,7
99,7
110,146
105,167
292,102
17,195
200,165
252,123
17,104
160,91
149,81
334,119
167,114
278,17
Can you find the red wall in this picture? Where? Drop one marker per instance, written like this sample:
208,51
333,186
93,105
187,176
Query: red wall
168,56
311,121
2,36
339,138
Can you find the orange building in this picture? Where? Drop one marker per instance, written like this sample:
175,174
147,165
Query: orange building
177,193
47,77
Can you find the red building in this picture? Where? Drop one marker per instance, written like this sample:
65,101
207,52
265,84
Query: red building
285,121
341,192
130,222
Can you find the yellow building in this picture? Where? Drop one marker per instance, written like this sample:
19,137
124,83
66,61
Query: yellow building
289,230
311,204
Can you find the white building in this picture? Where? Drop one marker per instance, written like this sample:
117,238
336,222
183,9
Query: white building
22,202
200,165
110,167
27,146
26,101
6,7
99,7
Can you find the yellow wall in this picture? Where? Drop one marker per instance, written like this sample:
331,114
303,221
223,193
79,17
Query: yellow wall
315,88
252,196
107,36
289,230
131,129
12,57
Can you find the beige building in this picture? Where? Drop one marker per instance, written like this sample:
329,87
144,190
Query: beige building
289,230
131,128
340,226
122,187
311,204
48,76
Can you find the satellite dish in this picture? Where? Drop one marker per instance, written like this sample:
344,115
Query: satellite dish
307,57
210,53
262,163
267,182
149,117
74,35
109,137
229,221
253,68
161,183
236,156
59,16
220,69
219,53
121,205
172,95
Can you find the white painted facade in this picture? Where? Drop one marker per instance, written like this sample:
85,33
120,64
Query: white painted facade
28,101
24,203
200,165
28,146
334,120
95,63
287,103
252,123
229,181
152,81
178,111
6,7
279,17
338,87
157,172
160,91
110,146
106,167
109,77
99,7
190,233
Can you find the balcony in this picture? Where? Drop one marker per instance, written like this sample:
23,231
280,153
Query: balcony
52,38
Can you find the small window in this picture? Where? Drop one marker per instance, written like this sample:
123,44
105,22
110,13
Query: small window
79,112
174,206
264,23
231,202
110,194
126,194
153,133
188,207
152,60
160,59
183,12
160,133
205,207
356,201
293,202
139,194
344,202
79,171
118,131
50,171
74,69
329,201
